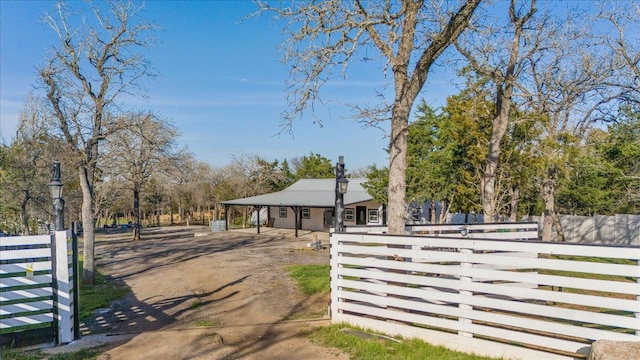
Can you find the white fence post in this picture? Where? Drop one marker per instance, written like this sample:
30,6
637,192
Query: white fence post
64,287
333,266
465,322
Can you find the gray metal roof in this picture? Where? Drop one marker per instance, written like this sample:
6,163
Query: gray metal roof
308,193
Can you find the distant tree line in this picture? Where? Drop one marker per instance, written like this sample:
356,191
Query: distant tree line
447,152
139,180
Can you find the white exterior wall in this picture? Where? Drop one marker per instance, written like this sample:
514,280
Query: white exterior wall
285,223
316,220
370,206
314,223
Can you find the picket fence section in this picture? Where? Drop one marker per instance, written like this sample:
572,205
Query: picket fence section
504,298
36,284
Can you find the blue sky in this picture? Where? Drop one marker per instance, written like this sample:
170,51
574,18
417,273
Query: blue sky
221,83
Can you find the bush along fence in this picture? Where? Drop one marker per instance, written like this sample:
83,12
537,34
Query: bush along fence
503,298
38,282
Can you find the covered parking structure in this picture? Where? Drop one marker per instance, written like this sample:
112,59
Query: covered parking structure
310,204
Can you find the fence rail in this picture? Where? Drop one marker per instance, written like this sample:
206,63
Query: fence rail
509,231
537,300
36,284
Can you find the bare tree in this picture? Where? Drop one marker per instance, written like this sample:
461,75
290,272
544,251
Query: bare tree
26,165
409,36
181,174
571,88
251,175
138,151
496,53
88,71
624,41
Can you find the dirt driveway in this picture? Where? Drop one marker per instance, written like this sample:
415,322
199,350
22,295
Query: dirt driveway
223,295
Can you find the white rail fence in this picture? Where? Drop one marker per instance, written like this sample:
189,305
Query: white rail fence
504,298
620,229
37,285
507,231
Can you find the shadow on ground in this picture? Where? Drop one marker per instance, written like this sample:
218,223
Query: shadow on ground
160,249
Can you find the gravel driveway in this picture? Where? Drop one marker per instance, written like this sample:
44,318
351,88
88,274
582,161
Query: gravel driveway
202,295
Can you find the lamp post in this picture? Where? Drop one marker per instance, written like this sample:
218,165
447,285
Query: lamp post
341,189
55,186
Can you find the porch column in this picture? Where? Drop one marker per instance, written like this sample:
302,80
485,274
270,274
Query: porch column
226,217
296,211
257,209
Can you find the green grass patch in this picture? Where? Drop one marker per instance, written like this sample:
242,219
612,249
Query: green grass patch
206,323
312,279
197,303
9,354
307,315
361,345
86,354
99,295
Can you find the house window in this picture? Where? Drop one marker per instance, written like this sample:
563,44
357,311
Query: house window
283,212
349,214
306,213
373,215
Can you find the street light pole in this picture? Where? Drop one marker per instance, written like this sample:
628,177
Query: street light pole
341,189
55,186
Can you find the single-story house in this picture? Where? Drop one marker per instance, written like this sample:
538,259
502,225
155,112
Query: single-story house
309,204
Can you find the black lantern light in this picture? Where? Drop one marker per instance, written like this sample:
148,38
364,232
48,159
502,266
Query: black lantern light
55,187
343,183
341,189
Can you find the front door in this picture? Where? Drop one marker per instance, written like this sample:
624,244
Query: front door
361,215
329,218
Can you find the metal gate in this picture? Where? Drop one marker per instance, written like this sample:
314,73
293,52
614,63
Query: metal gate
38,282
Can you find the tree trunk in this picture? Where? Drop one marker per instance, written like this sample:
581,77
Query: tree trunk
170,213
550,216
547,221
515,200
397,210
102,218
444,211
500,121
558,225
406,90
432,211
88,233
136,212
499,128
244,217
24,215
